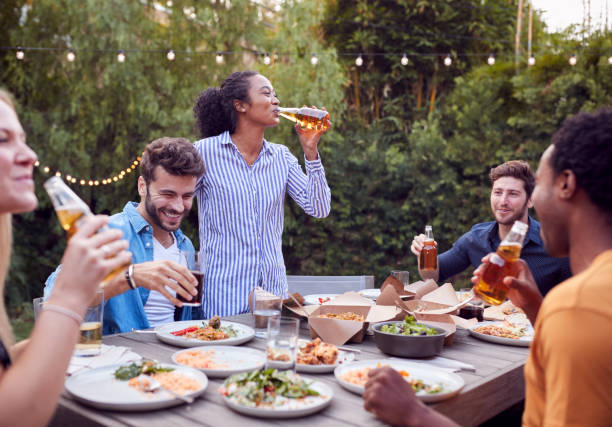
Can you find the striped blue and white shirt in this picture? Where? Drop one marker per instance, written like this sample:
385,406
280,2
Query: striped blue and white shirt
241,210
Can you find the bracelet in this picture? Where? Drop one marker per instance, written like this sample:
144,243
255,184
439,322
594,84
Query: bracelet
65,311
129,277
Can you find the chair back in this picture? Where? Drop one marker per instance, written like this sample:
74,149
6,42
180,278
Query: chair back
307,285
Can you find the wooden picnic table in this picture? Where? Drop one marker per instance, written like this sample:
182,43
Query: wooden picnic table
496,385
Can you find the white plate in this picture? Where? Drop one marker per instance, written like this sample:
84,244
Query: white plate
313,299
344,357
524,341
296,408
245,333
370,293
99,388
237,359
451,383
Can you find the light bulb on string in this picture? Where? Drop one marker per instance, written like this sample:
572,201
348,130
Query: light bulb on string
58,173
171,55
90,183
74,180
314,60
36,163
267,59
96,182
82,182
610,60
20,54
491,59
121,56
70,56
219,58
68,177
359,61
448,61
404,60
531,61
572,60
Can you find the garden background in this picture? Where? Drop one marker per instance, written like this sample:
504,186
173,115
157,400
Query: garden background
411,144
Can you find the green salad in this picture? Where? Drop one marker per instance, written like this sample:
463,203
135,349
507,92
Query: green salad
408,327
267,387
132,370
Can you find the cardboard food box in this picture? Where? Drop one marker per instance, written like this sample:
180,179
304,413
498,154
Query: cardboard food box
337,331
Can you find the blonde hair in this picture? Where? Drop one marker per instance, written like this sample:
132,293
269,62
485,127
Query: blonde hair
6,232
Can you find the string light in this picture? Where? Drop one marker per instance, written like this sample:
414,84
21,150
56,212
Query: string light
314,60
92,181
70,56
531,61
170,55
219,58
491,59
610,60
121,56
359,61
404,60
448,61
572,60
20,53
267,59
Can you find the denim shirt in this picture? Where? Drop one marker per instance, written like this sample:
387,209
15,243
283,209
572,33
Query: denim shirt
484,238
126,311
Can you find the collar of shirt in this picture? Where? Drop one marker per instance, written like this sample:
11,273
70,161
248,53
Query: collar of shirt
533,233
226,139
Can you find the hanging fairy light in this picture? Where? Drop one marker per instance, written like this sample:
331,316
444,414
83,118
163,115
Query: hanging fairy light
491,59
70,56
404,60
448,61
20,54
219,58
46,169
121,56
171,55
572,60
267,59
610,60
531,61
359,61
314,60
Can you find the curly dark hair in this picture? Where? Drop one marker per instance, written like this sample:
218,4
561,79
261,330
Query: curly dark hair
177,156
518,169
583,145
214,108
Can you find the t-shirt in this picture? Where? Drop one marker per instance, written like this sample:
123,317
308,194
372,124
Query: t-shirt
159,310
568,374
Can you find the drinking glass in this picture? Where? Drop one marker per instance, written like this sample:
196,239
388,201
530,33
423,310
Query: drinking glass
265,307
90,338
281,349
402,276
196,263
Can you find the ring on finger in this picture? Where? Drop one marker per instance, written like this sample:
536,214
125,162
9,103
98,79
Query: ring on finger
106,250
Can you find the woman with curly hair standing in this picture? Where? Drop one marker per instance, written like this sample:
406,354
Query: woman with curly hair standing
241,195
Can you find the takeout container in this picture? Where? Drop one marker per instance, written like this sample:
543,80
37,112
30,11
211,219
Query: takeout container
409,345
338,332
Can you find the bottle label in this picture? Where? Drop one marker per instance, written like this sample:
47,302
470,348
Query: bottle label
497,260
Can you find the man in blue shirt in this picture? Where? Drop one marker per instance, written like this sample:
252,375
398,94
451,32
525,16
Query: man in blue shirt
144,295
513,182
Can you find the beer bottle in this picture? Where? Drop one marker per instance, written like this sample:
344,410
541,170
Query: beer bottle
71,210
490,287
309,118
429,253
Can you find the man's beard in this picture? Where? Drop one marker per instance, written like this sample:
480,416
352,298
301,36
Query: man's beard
516,217
152,213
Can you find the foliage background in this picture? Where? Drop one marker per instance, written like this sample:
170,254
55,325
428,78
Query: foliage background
411,145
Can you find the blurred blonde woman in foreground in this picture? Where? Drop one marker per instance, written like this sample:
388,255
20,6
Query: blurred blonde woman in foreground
32,372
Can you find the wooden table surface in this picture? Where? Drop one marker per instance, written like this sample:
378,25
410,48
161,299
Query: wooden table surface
496,385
